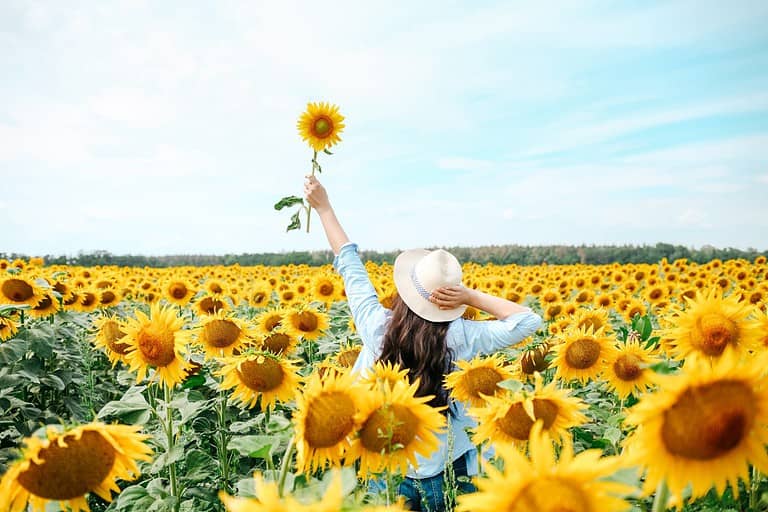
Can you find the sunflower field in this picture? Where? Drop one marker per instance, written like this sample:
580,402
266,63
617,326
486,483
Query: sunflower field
228,388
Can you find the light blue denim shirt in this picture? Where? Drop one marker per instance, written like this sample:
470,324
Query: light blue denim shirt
466,338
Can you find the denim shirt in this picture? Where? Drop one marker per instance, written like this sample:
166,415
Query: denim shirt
466,338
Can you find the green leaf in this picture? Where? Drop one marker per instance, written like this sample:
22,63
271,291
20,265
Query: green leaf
194,381
511,384
295,222
612,434
287,202
327,152
259,447
199,466
647,328
132,408
167,458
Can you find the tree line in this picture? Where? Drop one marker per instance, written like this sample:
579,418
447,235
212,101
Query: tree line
498,254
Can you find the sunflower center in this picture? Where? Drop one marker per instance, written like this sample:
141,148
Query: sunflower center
482,380
708,421
221,333
326,289
389,428
627,367
261,374
582,353
272,322
112,334
277,343
306,321
108,297
517,424
17,290
348,357
158,348
88,299
330,418
259,297
44,304
551,494
322,127
714,332
209,305
178,291
67,472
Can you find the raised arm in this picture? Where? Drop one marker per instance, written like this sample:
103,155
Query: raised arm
318,199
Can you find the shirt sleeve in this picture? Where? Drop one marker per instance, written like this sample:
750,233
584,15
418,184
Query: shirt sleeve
367,311
487,337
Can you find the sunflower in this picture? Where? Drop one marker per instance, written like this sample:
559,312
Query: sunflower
259,295
633,308
47,306
109,336
759,325
627,370
220,334
9,326
210,304
269,499
542,484
66,465
320,125
109,297
325,419
89,300
385,372
509,417
394,427
704,426
594,318
19,291
326,289
306,322
710,324
583,354
262,375
157,340
271,320
178,291
476,378
347,356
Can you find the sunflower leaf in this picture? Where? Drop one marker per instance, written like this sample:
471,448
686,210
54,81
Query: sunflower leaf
287,202
511,384
327,152
295,221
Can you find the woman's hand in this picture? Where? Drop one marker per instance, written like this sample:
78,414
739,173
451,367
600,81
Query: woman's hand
451,297
316,195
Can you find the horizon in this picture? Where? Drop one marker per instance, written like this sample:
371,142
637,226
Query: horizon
145,129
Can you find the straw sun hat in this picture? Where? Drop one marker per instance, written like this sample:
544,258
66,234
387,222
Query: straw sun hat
418,272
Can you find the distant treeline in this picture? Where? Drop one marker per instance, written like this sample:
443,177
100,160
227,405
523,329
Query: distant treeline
499,254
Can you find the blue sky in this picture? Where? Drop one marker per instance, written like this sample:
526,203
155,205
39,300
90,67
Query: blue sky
169,127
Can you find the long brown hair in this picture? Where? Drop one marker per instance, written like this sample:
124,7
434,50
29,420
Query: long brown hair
420,346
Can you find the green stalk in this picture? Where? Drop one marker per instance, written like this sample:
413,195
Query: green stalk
284,465
753,488
661,498
222,448
309,208
169,431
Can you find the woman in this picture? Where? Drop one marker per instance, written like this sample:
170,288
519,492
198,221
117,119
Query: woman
425,333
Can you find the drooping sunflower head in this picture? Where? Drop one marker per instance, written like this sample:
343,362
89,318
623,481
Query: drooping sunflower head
704,426
306,322
260,375
157,341
476,378
325,419
545,484
711,323
109,336
66,465
20,290
583,354
394,427
210,304
9,326
347,355
220,334
320,125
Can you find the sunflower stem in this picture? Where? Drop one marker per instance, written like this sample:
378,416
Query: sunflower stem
168,394
284,465
309,207
222,448
753,488
661,498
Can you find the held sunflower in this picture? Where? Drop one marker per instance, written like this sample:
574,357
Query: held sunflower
320,125
66,465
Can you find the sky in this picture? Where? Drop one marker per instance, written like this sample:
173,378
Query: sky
140,127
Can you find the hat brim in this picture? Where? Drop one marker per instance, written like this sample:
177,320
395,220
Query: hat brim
404,263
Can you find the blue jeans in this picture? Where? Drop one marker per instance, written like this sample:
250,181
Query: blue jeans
426,494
